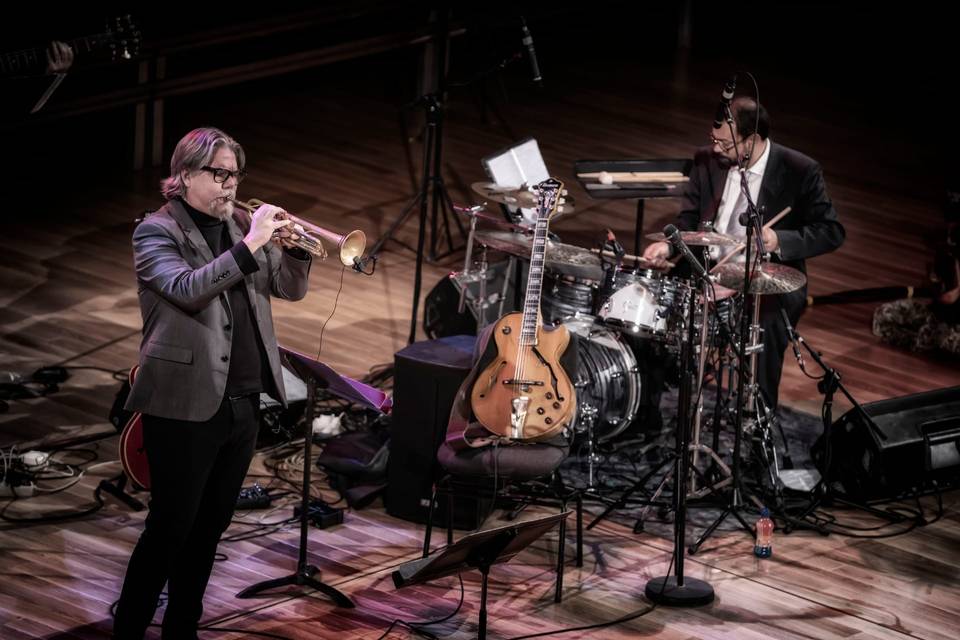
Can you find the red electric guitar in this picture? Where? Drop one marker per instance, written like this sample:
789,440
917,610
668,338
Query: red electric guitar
133,456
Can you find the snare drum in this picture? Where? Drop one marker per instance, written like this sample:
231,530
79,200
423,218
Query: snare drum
646,303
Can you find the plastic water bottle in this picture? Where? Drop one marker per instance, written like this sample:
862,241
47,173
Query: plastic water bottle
763,548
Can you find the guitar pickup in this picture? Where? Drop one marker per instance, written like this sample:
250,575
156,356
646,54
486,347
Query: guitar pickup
524,383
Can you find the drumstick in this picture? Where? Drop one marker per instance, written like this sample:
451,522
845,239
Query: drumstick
626,256
740,247
775,219
626,175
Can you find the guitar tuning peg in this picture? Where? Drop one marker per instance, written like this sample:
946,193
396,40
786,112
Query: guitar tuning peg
563,192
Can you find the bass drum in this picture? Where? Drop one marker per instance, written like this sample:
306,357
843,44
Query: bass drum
607,380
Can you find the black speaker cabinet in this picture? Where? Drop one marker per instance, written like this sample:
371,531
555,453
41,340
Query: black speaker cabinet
920,442
426,378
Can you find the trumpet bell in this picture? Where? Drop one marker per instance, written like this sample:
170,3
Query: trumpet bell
352,246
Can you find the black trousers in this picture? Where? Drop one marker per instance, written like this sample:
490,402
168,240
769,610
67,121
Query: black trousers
776,340
196,472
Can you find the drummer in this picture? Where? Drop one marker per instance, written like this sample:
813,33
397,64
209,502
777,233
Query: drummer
777,177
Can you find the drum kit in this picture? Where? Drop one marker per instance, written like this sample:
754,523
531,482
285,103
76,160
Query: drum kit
614,302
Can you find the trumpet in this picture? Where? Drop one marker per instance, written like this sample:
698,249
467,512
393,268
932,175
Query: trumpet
310,236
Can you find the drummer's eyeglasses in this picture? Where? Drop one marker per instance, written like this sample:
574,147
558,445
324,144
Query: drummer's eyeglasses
725,145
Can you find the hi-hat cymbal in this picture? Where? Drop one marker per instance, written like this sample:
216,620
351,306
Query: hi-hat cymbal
768,278
701,238
563,258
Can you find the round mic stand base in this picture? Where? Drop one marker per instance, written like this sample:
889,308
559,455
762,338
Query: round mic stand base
666,591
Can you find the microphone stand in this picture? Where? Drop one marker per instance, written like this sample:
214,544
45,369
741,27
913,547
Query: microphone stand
754,234
676,590
432,196
824,493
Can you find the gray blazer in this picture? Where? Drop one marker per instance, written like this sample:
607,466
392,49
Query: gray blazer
185,350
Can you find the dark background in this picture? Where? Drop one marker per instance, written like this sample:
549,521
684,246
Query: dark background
889,69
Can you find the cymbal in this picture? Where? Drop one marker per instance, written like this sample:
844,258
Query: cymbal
563,258
701,238
513,196
516,197
768,278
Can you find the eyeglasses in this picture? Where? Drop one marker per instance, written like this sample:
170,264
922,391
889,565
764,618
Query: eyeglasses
222,175
725,145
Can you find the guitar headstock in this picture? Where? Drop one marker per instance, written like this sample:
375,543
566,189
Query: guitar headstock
122,36
550,195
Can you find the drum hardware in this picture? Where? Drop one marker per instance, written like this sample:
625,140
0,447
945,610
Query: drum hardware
588,414
695,446
475,212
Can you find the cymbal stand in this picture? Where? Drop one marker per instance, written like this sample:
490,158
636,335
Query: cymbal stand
695,445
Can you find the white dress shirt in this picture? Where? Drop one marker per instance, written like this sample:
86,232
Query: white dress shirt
732,204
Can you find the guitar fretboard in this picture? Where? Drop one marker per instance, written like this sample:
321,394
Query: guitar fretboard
35,60
549,192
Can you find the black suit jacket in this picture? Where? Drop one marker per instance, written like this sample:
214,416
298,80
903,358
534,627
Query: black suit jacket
790,179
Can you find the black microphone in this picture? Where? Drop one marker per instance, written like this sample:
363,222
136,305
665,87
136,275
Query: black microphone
359,264
531,54
673,237
615,245
794,338
724,105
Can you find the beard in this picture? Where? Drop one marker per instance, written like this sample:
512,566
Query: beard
723,160
221,209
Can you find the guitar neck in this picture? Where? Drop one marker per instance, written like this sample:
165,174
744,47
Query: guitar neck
34,60
531,302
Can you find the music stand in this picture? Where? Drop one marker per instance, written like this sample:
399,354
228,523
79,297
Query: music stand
632,183
315,374
480,550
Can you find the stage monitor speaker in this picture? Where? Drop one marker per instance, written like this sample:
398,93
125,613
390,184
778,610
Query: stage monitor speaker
921,443
427,376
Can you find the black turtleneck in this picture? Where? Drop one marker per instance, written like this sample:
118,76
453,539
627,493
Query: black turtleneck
249,368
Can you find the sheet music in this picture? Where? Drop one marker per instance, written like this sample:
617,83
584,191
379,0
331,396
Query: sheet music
518,165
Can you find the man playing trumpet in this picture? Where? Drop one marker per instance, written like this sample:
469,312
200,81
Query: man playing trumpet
208,351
